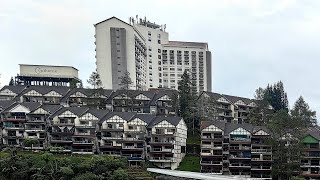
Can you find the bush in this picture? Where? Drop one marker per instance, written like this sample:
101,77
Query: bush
87,176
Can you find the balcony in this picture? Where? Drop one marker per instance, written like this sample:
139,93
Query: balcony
28,129
211,163
162,159
259,168
82,151
133,139
210,154
161,150
240,140
239,165
261,159
88,142
63,124
111,129
15,118
61,139
239,148
85,126
133,147
14,126
267,151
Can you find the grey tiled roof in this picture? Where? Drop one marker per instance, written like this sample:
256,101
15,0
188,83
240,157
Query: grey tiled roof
99,113
16,89
87,92
131,94
231,127
76,110
171,119
234,99
219,124
147,118
124,115
30,105
161,93
51,108
5,104
314,132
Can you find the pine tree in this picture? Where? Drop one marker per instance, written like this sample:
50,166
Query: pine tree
187,100
126,81
11,83
302,111
94,80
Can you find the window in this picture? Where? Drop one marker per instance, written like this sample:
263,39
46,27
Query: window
159,62
159,56
149,33
159,50
179,69
118,50
172,75
159,41
171,69
165,74
160,75
160,80
150,55
150,67
118,43
159,69
159,35
172,80
165,69
149,39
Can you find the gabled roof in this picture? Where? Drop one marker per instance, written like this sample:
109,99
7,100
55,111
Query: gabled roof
62,90
147,118
219,124
5,104
231,127
51,108
113,17
124,115
162,93
30,105
131,94
75,110
314,132
99,113
87,92
174,120
234,99
258,128
14,88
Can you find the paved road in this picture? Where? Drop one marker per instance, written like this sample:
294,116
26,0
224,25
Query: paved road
193,175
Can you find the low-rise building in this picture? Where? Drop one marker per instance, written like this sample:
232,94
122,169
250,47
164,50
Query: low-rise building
235,149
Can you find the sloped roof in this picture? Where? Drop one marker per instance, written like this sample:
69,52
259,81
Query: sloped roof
219,124
6,104
231,127
147,118
162,93
14,88
99,113
124,115
131,94
174,120
51,108
234,99
87,92
314,131
46,89
30,105
76,110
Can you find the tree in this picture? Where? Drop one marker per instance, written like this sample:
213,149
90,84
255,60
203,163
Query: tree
126,81
11,83
302,111
187,100
287,132
30,142
94,80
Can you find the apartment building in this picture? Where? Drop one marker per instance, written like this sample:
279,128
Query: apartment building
143,49
13,119
227,108
235,149
168,141
310,163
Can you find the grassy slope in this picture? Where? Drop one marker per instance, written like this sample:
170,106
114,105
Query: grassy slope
190,163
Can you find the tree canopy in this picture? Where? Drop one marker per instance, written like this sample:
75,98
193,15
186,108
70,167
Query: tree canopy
94,80
126,81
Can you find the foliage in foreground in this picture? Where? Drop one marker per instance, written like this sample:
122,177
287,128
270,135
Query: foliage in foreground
47,166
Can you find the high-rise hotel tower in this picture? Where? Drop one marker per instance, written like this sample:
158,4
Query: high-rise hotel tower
143,49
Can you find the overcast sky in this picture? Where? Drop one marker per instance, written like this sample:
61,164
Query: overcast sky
253,43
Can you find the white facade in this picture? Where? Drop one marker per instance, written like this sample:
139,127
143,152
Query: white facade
157,62
48,71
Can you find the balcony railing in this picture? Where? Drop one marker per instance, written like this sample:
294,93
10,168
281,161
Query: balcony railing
211,162
261,150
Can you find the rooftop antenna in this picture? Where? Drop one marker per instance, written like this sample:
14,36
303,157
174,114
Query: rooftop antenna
137,18
165,26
